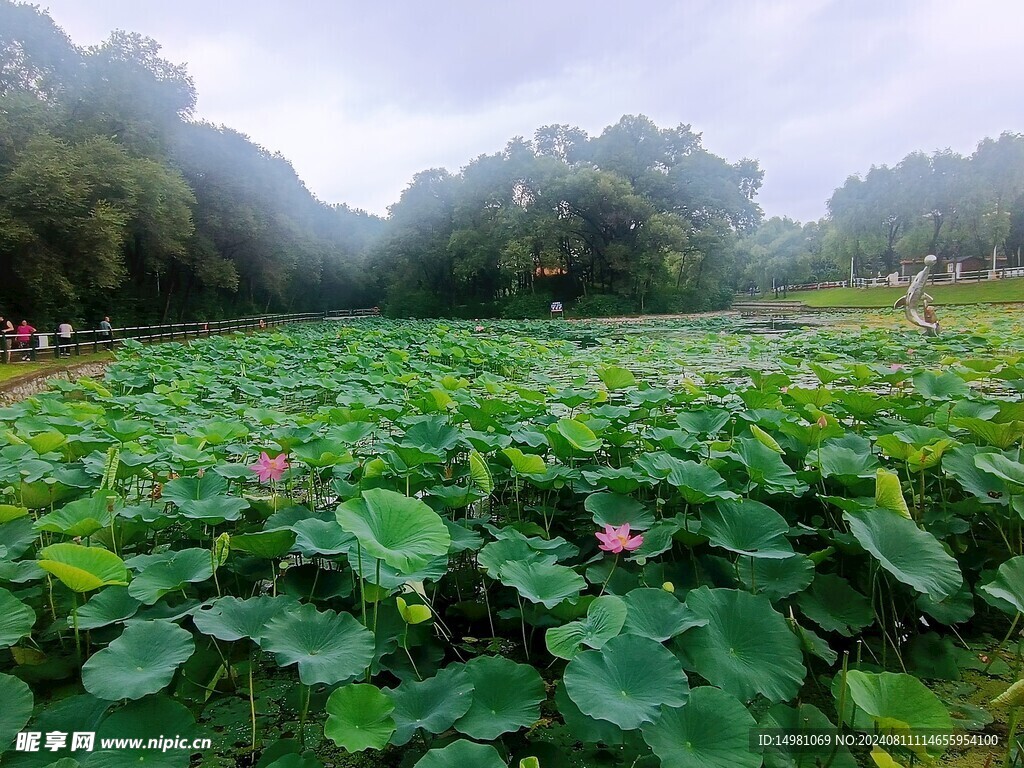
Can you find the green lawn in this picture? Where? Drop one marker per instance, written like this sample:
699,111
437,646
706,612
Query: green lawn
16,370
962,293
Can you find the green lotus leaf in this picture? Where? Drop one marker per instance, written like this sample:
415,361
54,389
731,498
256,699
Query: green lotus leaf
321,452
746,647
159,578
766,469
204,498
806,717
913,556
614,509
82,517
9,512
232,619
955,609
17,708
1002,436
111,605
848,459
892,702
480,474
265,544
432,433
775,579
462,754
496,554
16,619
83,569
627,682
541,583
139,662
583,727
433,704
889,493
321,537
359,717
835,606
705,421
940,386
747,527
711,731
1008,584
604,620
328,647
577,434
525,463
615,377
984,486
506,697
1007,470
142,720
405,533
656,614
44,442
696,483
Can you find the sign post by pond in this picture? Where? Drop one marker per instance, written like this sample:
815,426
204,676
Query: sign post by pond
556,309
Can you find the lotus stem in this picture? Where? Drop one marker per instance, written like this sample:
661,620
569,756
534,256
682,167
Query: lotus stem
604,586
252,702
995,651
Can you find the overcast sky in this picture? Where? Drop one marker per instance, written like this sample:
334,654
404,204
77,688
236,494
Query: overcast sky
360,96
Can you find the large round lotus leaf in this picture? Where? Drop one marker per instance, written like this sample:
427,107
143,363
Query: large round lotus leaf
462,754
506,697
656,614
940,386
159,578
1008,584
766,468
495,554
891,702
328,647
83,569
16,619
359,717
542,583
794,720
913,556
604,620
140,662
615,509
82,517
627,682
204,498
265,544
583,727
746,647
697,483
835,606
107,607
711,731
144,720
405,533
433,704
748,528
577,434
321,537
231,619
776,579
17,708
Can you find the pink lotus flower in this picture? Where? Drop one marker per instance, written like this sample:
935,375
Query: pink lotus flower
270,468
896,367
617,539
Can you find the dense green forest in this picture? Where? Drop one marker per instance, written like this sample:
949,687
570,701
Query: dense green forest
114,200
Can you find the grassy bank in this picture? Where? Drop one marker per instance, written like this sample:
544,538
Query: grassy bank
17,370
961,293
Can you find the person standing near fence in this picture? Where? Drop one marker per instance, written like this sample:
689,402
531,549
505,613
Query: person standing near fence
106,332
63,339
6,337
23,338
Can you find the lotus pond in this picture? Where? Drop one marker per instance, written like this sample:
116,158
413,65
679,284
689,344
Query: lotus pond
556,544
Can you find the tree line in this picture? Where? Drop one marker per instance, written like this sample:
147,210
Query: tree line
115,201
888,219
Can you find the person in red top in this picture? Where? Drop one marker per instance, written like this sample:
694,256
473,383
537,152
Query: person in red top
23,337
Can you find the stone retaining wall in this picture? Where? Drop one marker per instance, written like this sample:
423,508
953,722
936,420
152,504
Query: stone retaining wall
32,384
